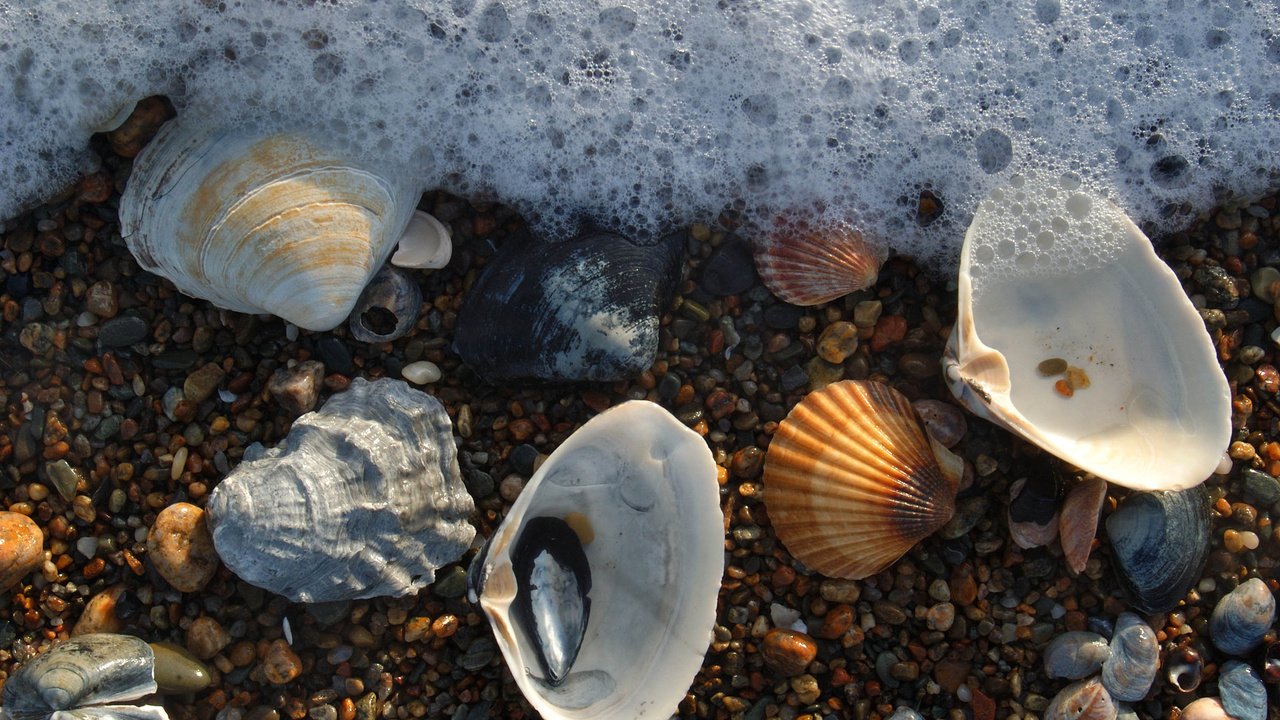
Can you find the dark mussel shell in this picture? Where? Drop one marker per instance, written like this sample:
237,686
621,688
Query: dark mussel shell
1160,541
552,603
584,309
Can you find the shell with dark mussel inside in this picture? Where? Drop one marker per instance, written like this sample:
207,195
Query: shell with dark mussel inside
81,677
582,309
549,561
1159,541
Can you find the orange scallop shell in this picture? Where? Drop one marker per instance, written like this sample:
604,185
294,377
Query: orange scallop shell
807,265
851,482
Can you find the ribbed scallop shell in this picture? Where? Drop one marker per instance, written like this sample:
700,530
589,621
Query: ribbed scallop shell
806,265
851,482
257,221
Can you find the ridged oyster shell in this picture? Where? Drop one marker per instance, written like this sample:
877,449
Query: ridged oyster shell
258,221
581,309
636,492
807,264
1050,273
362,499
81,678
851,481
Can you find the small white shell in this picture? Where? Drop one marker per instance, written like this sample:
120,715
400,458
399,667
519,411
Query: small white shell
638,490
259,221
1049,272
425,244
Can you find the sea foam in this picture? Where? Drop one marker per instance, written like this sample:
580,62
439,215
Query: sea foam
647,115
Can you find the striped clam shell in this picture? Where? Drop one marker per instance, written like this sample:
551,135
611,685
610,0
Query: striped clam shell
807,265
851,482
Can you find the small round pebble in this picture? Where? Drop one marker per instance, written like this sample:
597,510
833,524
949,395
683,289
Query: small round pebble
788,652
421,372
282,664
181,547
206,637
21,548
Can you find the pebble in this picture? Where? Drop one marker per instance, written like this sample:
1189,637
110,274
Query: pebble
1260,488
730,269
122,331
181,547
788,652
65,479
177,671
100,299
840,591
297,389
21,548
206,637
866,313
422,372
1262,280
99,614
201,383
282,664
838,341
942,616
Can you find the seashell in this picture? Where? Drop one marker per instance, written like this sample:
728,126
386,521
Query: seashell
1033,508
583,309
388,307
1078,521
1084,700
1043,270
1242,617
944,421
1135,657
257,222
362,499
808,264
1159,542
84,677
905,713
601,582
1185,668
851,481
1075,655
1243,695
424,245
1206,708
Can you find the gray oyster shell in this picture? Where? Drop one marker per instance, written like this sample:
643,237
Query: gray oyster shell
1242,617
1160,541
81,677
1135,657
363,499
581,309
1075,655
1244,697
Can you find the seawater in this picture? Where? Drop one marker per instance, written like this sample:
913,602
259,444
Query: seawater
642,116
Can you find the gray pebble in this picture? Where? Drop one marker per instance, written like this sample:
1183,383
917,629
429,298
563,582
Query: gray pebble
122,331
451,583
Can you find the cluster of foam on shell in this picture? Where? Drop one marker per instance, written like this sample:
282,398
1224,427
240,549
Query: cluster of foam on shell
601,582
85,677
257,221
362,499
852,480
808,263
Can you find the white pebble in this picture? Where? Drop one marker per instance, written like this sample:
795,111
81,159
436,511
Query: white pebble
1224,465
1275,336
291,331
421,372
87,546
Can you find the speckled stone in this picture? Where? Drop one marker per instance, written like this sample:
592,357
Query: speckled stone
206,637
21,548
181,547
281,664
296,389
99,614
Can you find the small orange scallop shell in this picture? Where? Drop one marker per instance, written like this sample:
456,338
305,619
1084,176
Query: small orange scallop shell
851,482
807,265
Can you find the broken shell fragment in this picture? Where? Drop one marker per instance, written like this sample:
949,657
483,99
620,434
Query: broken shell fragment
1033,507
1044,267
601,582
1242,617
388,307
83,677
1075,655
852,482
1078,521
258,221
424,245
1130,669
1084,700
807,264
362,499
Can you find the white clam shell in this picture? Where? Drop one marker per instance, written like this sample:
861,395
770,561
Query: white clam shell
258,221
639,490
425,244
1049,271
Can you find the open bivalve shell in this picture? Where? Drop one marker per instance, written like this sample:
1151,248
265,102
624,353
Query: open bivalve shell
808,264
257,221
851,480
85,677
1073,334
601,582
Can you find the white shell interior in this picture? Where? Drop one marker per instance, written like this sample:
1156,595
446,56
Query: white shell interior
640,490
425,244
1049,271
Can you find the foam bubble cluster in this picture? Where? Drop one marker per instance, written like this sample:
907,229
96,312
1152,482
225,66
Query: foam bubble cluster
645,115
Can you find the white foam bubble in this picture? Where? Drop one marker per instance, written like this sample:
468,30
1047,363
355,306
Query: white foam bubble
648,115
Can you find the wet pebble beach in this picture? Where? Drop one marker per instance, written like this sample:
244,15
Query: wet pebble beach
126,402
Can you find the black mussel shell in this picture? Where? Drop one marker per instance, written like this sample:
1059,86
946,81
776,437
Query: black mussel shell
553,580
1160,541
584,309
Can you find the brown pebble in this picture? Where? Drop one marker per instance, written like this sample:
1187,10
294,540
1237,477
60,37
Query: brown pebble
99,615
201,383
296,389
788,652
445,626
838,341
181,547
837,622
282,664
100,299
416,628
206,637
21,548
951,673
747,462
